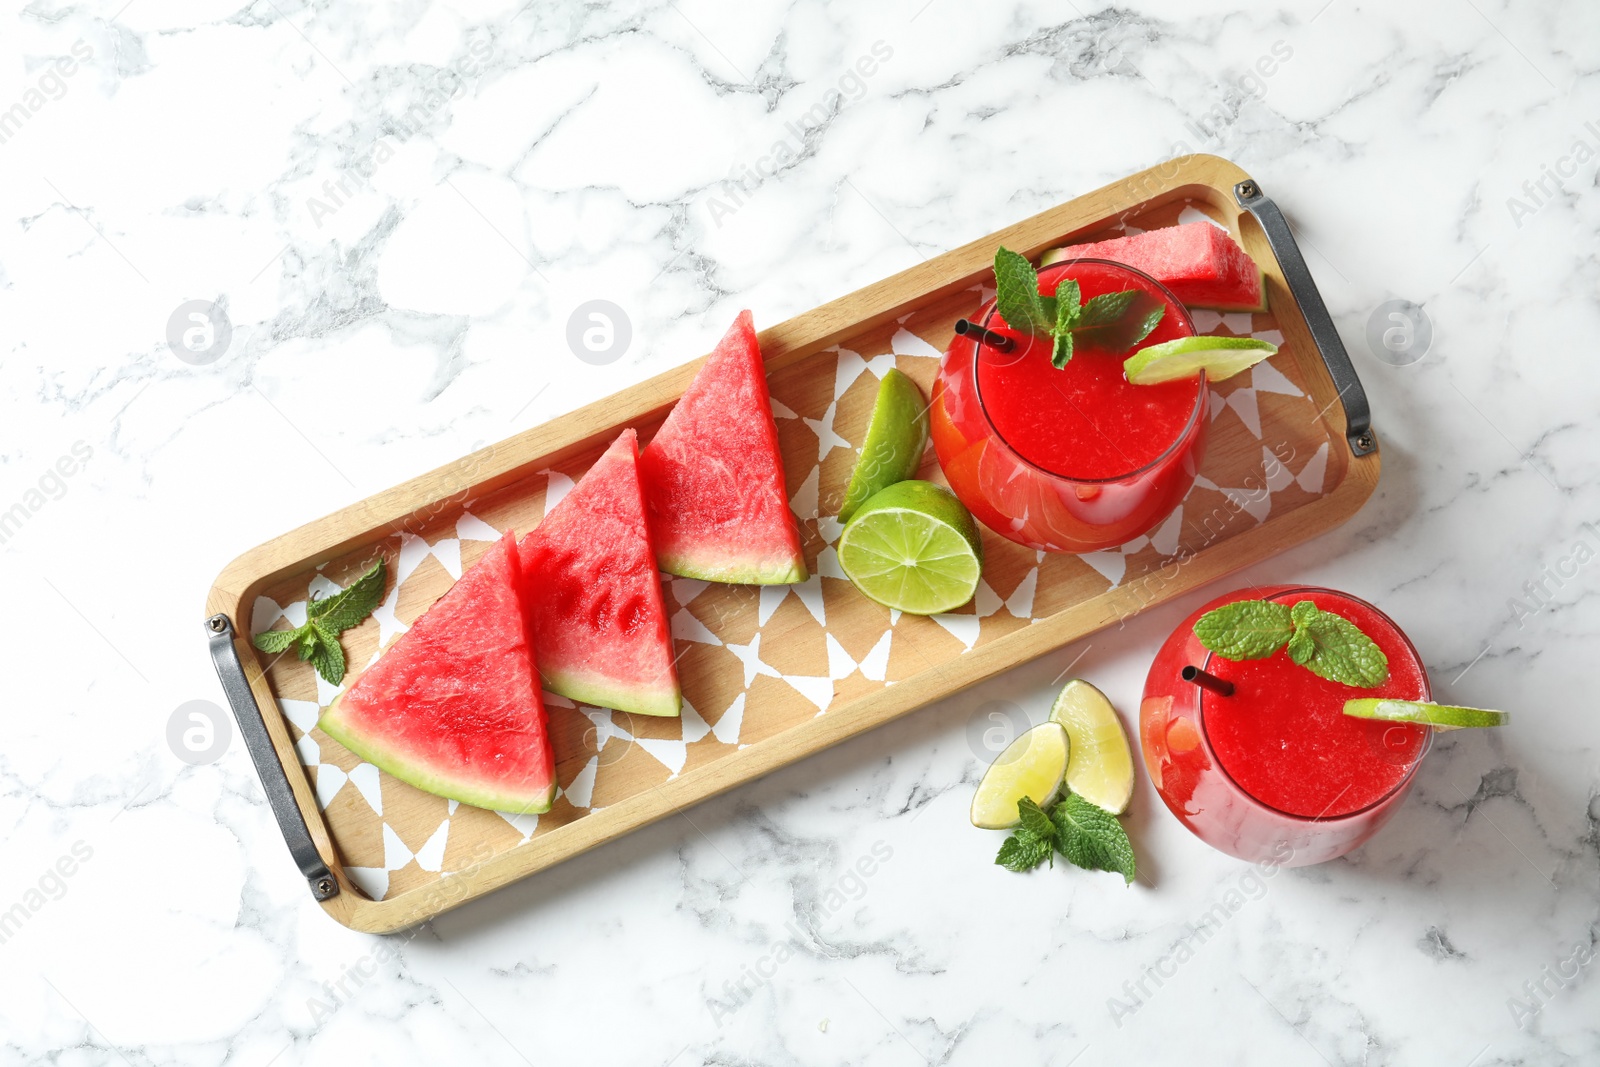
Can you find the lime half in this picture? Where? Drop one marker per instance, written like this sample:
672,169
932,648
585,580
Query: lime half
914,547
1032,766
897,435
1185,357
1439,716
1101,768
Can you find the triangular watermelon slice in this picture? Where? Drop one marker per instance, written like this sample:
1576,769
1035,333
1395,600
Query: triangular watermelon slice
453,706
713,475
594,594
1202,264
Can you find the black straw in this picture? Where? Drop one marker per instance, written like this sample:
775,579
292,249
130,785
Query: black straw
997,341
1208,681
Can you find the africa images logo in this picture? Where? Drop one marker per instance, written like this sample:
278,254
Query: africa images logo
745,178
52,85
1552,179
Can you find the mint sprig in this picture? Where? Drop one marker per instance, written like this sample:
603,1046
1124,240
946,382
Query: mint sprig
317,639
1087,835
1113,321
1325,643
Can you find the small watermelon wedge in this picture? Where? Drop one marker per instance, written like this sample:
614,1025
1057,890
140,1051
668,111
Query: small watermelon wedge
713,475
594,594
1200,263
453,706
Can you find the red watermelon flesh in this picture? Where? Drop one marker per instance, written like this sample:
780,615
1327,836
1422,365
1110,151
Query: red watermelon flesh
594,594
1200,263
453,706
713,475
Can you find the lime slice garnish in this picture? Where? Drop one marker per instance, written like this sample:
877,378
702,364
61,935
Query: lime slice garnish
914,547
1032,766
1101,768
897,435
1439,716
1185,357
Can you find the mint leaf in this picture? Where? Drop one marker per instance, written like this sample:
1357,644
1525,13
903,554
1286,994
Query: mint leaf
1116,322
1107,307
1049,306
274,641
1061,349
1069,304
1301,648
1303,612
1092,838
1017,294
1068,309
1245,629
1023,851
1334,648
350,606
308,640
1144,319
1034,819
327,657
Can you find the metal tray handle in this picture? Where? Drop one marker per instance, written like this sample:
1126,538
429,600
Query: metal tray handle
253,728
1357,413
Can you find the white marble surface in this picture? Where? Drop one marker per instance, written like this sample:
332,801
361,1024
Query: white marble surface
424,312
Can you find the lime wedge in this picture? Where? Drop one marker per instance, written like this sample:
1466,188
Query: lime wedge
1439,716
1185,357
1032,766
914,547
897,435
1101,768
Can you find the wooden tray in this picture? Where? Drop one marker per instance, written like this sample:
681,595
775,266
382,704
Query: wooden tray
773,674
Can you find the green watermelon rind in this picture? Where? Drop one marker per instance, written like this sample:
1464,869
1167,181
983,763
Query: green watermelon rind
727,571
476,793
664,702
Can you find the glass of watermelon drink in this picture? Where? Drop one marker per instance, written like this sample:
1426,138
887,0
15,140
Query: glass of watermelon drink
1276,772
1075,459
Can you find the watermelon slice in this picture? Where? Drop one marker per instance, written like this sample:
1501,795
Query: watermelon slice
453,706
713,475
594,594
1200,263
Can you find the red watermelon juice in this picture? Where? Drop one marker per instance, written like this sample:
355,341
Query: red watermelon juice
1276,772
1074,459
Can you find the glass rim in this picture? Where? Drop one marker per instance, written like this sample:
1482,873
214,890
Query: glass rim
1389,794
988,312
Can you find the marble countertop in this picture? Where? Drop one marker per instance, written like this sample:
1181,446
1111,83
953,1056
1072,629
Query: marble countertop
398,207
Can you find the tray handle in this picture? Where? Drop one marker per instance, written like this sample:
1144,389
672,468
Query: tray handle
253,728
1357,413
